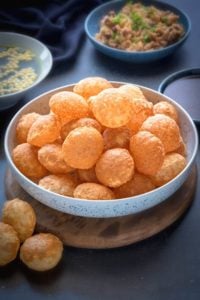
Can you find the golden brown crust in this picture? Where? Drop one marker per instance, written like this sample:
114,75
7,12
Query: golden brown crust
173,164
51,157
82,122
93,191
9,244
45,130
68,106
139,184
23,126
21,216
60,184
82,147
147,151
41,252
25,157
166,129
91,86
116,138
115,167
166,108
112,107
88,175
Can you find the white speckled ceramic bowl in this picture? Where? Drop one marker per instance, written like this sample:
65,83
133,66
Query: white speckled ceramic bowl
103,208
43,66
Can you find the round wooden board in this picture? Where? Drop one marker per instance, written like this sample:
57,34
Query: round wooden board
97,233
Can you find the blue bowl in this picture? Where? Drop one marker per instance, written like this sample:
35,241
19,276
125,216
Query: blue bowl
42,56
92,26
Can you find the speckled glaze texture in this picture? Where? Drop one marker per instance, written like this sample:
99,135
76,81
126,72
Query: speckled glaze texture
92,24
43,55
103,208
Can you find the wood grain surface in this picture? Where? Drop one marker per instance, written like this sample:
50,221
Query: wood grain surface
100,233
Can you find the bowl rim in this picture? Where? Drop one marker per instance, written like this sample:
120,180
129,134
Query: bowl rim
99,202
139,53
178,75
47,70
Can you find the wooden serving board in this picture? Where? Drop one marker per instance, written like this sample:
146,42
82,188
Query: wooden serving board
97,233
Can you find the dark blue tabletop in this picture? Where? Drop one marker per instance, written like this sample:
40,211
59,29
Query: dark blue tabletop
164,267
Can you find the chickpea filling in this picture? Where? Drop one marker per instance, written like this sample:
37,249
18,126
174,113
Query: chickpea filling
137,27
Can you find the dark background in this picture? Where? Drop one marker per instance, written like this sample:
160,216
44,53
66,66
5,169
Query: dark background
166,266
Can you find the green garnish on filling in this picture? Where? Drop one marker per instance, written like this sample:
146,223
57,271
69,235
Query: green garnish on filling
165,20
117,19
146,38
138,22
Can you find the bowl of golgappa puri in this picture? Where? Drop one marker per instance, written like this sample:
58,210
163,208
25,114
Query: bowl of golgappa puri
99,148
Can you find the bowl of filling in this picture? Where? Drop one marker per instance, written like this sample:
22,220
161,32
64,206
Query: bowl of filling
24,62
137,31
101,149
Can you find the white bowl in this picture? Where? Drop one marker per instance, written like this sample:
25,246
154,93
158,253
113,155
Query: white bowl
43,58
103,208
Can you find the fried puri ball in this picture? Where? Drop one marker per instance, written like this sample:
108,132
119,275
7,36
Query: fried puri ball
9,244
115,167
165,128
68,106
141,107
59,184
82,122
116,137
21,216
41,252
147,151
45,130
88,175
23,126
182,148
82,147
133,90
173,164
112,107
25,157
166,108
139,184
91,86
93,191
51,157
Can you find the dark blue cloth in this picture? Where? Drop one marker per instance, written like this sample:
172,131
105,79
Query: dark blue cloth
58,24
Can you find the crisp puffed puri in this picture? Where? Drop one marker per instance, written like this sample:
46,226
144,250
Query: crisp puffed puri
91,86
141,107
9,244
41,252
51,157
25,157
116,137
93,191
88,122
133,90
112,107
45,130
68,106
139,184
148,152
115,167
88,175
173,164
21,216
166,129
82,147
59,184
166,108
23,126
